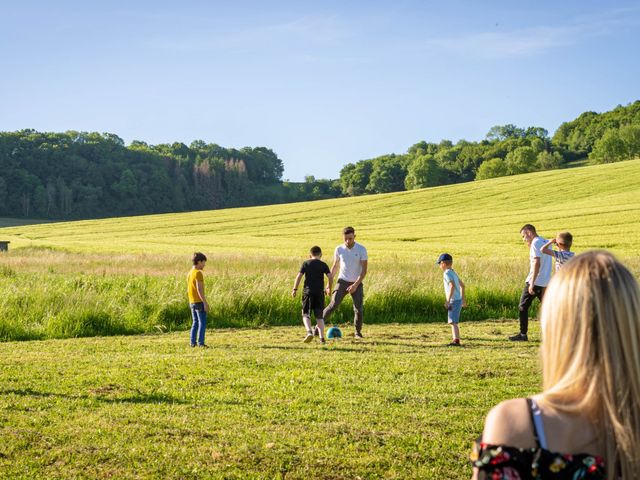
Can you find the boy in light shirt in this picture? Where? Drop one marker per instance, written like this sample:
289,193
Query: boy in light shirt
563,240
453,295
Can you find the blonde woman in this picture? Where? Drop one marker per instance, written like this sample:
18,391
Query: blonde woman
586,422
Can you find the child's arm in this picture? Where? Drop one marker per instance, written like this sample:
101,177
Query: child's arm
464,298
296,283
200,289
449,296
546,248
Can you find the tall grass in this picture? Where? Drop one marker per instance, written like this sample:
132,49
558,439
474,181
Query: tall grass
113,276
50,294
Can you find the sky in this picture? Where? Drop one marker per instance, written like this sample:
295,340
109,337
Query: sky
322,84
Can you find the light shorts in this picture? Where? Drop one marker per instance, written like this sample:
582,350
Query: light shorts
453,315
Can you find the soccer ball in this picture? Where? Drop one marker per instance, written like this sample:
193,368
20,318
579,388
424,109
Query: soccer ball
334,332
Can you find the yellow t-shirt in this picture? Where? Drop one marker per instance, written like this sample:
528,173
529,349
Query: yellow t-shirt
194,276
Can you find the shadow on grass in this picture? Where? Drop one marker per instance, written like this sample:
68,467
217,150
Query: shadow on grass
503,339
364,348
148,398
313,348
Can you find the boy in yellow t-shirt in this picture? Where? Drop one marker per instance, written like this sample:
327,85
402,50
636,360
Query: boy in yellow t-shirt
197,300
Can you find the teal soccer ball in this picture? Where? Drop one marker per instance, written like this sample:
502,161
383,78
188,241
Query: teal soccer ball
334,332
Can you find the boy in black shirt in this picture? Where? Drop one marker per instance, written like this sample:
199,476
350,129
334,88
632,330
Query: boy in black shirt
314,271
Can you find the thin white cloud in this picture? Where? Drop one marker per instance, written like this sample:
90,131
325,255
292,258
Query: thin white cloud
325,31
498,43
503,44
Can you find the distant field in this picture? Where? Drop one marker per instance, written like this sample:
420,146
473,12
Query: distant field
259,404
599,204
127,275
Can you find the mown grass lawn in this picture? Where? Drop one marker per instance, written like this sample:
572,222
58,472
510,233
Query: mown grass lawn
258,403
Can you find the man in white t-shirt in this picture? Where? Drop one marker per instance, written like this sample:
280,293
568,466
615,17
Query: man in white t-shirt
351,258
537,280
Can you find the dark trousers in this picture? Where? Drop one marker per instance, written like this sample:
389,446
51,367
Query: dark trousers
336,299
526,299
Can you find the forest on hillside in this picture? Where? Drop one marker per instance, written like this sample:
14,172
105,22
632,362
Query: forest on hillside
74,175
506,150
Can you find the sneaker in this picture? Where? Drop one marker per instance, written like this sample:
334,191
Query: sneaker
193,345
316,331
358,335
323,341
308,338
203,345
454,343
521,337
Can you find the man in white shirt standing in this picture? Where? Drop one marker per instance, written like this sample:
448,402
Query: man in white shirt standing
537,280
351,258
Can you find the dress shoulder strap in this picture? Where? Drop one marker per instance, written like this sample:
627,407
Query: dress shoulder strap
536,423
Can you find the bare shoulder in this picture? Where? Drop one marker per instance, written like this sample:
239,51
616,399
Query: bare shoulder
509,423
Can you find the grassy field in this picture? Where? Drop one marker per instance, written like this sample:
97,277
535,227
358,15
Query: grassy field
51,294
127,275
598,204
258,404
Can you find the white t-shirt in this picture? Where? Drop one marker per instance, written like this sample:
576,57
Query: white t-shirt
546,263
350,266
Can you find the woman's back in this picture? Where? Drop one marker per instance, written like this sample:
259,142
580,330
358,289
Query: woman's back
524,440
590,405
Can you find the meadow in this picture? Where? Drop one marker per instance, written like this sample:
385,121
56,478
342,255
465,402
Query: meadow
599,204
52,294
127,275
258,404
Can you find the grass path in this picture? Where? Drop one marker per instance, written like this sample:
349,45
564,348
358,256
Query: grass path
257,404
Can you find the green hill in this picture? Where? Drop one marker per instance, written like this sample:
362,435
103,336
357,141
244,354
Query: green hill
126,275
599,204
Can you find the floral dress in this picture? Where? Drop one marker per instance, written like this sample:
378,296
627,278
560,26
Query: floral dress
502,462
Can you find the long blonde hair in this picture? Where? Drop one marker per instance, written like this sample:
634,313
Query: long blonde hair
591,353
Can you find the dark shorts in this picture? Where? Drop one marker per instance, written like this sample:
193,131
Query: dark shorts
312,302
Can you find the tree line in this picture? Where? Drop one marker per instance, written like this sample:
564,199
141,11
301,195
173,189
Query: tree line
506,150
74,175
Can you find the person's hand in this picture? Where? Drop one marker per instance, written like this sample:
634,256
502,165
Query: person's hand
206,306
447,305
464,304
293,292
554,241
352,288
532,291
327,291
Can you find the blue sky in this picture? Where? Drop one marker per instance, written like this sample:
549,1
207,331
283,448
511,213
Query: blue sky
321,83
